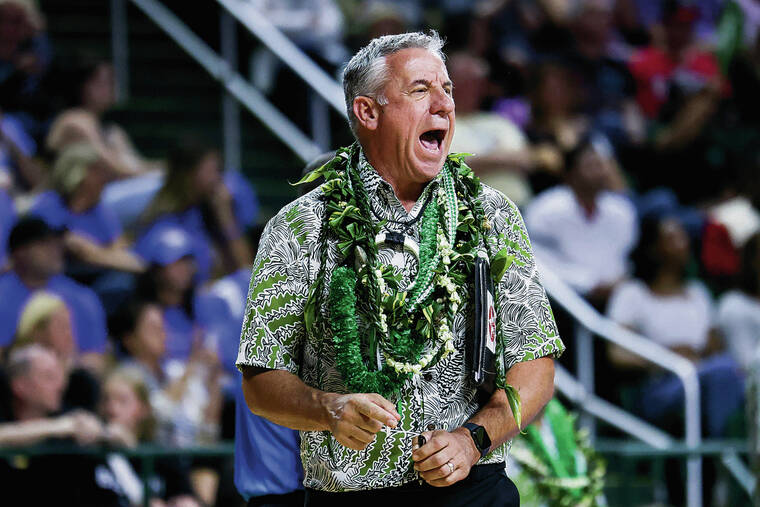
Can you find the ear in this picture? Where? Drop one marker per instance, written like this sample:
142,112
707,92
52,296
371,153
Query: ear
367,111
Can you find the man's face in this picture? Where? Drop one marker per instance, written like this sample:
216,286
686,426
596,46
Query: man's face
42,386
415,127
43,257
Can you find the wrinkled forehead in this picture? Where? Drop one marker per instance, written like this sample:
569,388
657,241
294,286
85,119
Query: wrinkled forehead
410,65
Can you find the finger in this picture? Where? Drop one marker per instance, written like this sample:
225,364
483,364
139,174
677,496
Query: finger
457,475
355,444
420,440
385,404
368,424
436,441
375,411
361,435
435,461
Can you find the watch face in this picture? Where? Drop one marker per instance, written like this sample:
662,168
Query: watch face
479,434
481,438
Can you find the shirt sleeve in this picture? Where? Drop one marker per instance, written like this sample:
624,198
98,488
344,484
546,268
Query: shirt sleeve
273,326
526,320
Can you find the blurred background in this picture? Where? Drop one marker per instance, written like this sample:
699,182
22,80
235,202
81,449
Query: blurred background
145,143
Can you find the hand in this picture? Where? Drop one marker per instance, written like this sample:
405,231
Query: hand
441,448
221,199
87,428
116,434
355,419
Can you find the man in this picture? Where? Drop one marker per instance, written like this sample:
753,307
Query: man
581,230
37,260
305,364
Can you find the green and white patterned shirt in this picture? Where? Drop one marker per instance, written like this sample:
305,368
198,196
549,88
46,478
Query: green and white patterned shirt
442,397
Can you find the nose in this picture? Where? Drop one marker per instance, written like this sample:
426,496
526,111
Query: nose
442,103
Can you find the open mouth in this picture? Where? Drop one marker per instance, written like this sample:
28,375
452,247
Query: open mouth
432,140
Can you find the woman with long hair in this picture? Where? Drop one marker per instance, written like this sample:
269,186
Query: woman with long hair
195,198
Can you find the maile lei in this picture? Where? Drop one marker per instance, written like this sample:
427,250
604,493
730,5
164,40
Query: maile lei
407,330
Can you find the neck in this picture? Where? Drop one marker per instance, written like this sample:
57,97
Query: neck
153,364
667,281
30,279
78,203
170,297
407,192
586,198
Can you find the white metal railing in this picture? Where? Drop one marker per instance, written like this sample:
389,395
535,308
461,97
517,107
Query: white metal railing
257,22
592,323
220,68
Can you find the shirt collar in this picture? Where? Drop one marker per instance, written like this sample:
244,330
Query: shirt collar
382,197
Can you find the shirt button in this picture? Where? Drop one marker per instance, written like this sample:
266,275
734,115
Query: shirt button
431,427
428,376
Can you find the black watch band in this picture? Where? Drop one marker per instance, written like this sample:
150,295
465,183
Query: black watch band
480,437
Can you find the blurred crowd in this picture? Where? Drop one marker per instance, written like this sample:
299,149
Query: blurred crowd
625,130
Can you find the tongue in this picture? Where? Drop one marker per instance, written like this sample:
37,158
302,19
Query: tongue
429,141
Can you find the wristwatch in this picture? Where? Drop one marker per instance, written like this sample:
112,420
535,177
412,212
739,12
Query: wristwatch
480,437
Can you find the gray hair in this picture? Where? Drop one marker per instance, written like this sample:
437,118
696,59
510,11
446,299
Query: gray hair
366,73
20,359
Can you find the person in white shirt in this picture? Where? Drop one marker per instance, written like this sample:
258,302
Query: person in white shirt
739,310
580,230
677,313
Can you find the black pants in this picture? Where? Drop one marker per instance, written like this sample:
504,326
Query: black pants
294,499
486,486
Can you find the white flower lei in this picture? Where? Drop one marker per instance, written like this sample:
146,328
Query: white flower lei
445,337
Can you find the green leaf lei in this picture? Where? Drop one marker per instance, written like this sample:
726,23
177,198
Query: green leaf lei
568,473
407,330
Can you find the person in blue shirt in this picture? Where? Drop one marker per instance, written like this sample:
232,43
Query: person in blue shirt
267,457
196,198
7,220
268,467
93,234
18,169
170,282
37,260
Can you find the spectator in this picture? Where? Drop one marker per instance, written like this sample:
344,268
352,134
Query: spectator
267,456
37,384
25,56
666,307
606,83
679,88
739,310
316,26
127,411
7,220
168,282
580,230
195,198
92,94
93,234
502,154
556,123
138,329
18,169
37,260
46,320
185,395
